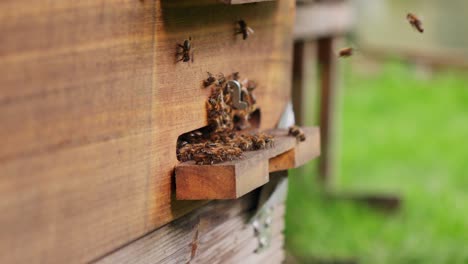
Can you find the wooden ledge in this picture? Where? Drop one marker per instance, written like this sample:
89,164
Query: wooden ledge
230,180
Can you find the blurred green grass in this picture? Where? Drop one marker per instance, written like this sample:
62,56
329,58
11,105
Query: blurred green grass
399,134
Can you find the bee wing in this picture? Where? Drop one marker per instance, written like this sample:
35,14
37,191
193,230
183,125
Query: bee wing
250,30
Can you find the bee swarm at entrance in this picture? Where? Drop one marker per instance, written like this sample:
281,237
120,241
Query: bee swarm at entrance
225,138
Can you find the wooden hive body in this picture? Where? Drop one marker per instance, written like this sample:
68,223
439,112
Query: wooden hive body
91,105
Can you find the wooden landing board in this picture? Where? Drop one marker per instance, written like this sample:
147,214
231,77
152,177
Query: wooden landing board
230,180
216,233
92,103
300,154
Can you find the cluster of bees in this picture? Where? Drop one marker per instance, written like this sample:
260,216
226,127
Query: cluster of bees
223,140
222,114
413,20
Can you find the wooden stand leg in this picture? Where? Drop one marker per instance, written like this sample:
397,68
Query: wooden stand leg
327,74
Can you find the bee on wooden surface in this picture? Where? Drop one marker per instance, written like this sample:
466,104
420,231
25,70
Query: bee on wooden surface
233,153
346,52
202,159
221,79
295,131
415,22
210,80
236,76
245,30
186,54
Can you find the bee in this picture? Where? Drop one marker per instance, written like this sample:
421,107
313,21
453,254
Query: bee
295,131
415,22
221,79
212,101
251,85
244,29
210,80
186,54
269,141
236,76
202,158
182,144
345,52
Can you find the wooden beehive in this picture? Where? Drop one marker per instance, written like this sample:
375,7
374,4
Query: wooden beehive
91,105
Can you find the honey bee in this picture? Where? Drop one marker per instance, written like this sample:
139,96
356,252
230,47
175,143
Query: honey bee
244,29
221,79
251,85
295,131
345,52
415,22
210,80
187,52
235,76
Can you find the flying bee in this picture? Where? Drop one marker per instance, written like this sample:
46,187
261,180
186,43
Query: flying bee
244,29
210,80
345,52
186,54
415,22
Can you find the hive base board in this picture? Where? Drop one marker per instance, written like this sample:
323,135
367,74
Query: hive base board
231,180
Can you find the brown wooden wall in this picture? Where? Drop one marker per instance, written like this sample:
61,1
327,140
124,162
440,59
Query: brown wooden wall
91,105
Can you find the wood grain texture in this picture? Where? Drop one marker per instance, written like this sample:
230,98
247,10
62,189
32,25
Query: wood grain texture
230,180
91,105
217,233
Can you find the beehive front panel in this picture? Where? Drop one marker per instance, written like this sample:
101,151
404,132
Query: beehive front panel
92,102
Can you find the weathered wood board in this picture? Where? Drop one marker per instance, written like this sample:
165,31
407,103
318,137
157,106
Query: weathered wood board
217,233
91,105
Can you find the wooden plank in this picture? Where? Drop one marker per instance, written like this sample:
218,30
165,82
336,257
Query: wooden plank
300,154
91,105
329,18
217,233
230,180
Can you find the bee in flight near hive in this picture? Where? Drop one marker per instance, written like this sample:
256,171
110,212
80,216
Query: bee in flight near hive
245,30
346,52
295,131
415,22
186,54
